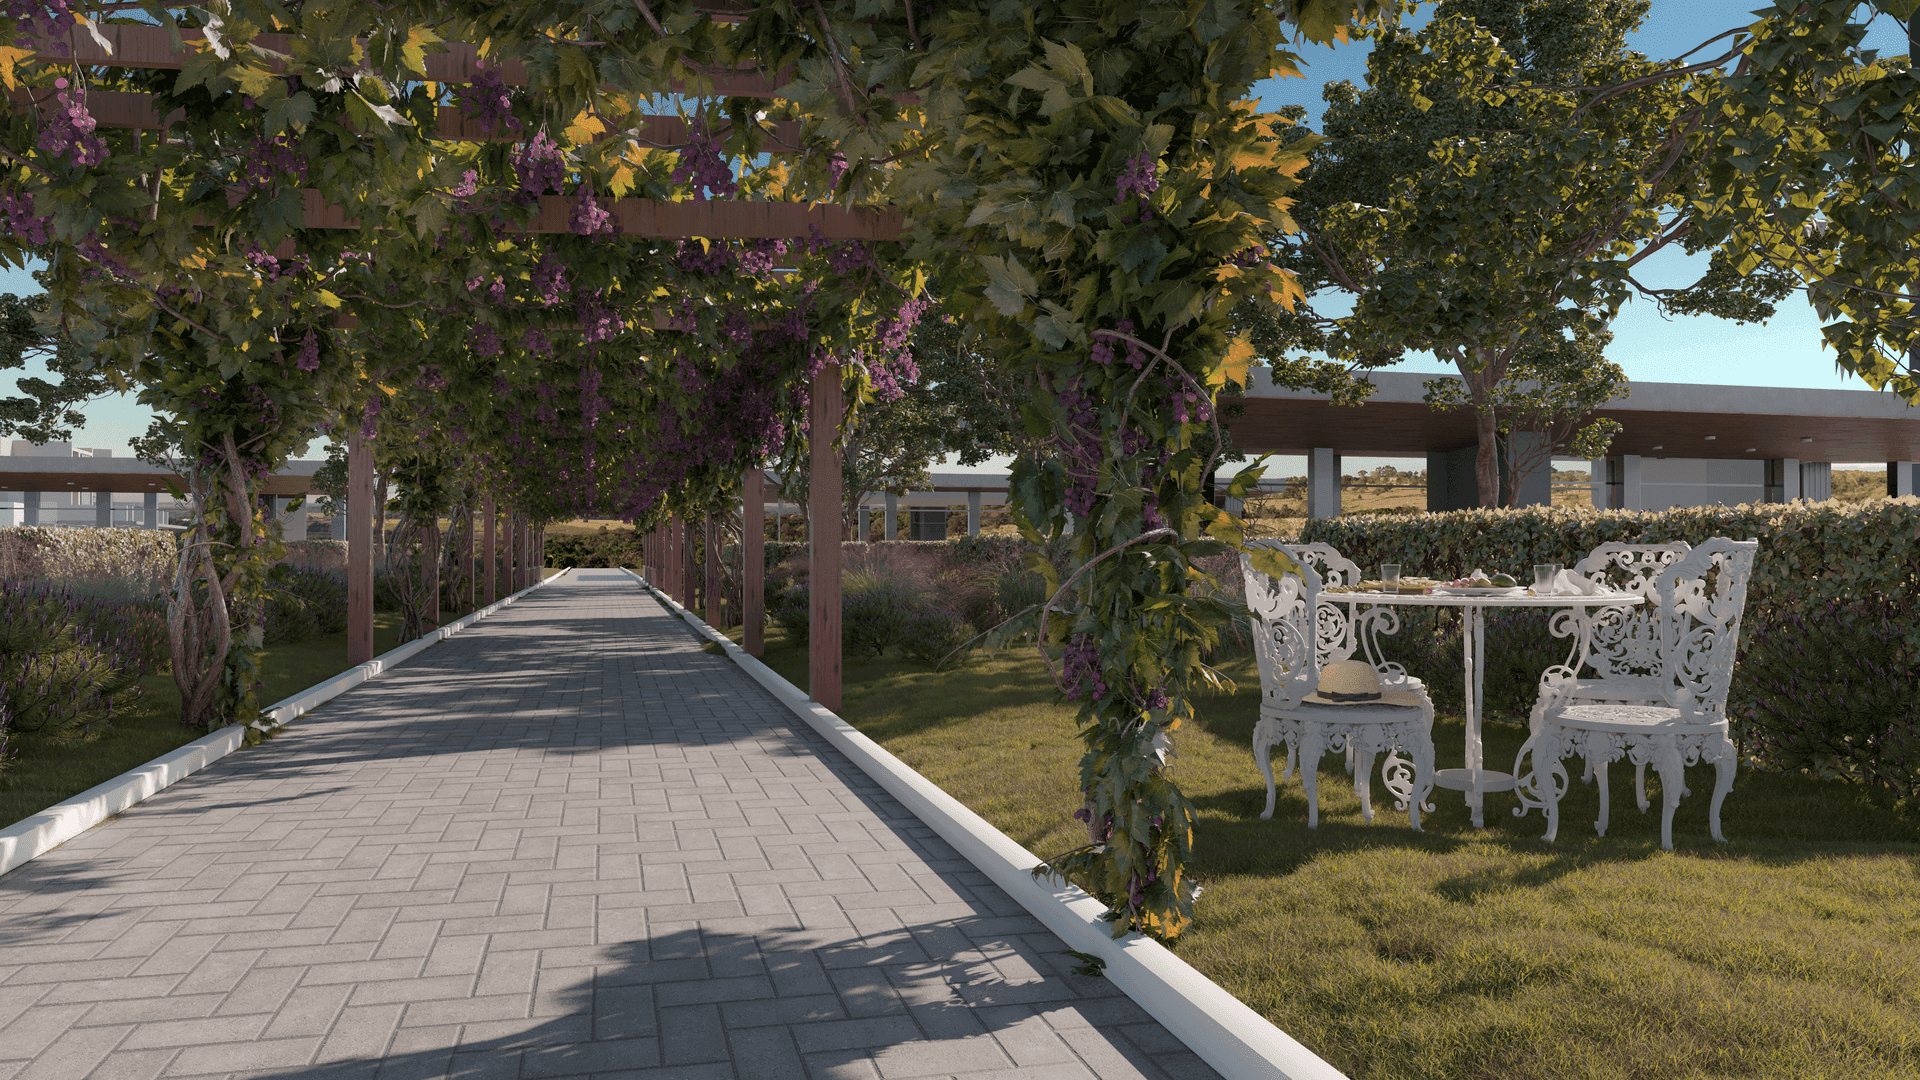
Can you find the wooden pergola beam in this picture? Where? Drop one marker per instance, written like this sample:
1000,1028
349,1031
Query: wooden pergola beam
713,219
125,111
153,48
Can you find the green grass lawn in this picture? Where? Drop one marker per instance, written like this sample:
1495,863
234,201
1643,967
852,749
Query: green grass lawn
1793,951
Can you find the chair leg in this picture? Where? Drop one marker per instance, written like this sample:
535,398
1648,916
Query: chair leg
1263,759
1673,783
1312,745
1640,784
1546,762
1599,771
1422,782
1363,781
1288,770
1723,767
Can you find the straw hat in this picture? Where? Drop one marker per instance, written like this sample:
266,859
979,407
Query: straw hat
1355,682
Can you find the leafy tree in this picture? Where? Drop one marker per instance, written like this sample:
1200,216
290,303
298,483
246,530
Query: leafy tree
1479,225
49,411
1551,391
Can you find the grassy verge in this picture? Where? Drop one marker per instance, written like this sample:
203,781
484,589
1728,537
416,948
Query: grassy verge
47,772
1793,951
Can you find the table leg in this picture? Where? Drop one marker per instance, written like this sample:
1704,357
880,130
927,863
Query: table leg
1474,633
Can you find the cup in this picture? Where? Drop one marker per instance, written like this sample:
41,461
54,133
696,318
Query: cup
1543,575
1390,575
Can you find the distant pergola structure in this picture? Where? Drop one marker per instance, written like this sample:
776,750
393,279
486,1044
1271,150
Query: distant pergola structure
669,548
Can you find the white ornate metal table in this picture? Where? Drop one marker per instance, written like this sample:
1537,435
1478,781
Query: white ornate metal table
1475,780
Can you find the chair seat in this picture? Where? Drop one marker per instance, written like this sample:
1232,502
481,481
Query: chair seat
1631,720
1334,714
1642,689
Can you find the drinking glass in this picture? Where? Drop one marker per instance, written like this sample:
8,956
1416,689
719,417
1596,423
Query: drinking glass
1543,575
1390,575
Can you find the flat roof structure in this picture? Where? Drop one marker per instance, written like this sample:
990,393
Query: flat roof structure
1684,420
126,475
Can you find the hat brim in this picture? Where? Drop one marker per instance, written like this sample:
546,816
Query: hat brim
1404,699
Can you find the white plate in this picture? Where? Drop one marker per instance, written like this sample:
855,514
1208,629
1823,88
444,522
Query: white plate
1462,590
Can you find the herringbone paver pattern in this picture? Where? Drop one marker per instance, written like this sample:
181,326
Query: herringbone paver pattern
565,843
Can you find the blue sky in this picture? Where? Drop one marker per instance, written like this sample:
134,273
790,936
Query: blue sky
1785,351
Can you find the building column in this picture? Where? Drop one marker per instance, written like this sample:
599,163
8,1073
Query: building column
973,513
1899,478
890,530
1597,479
29,508
753,561
152,510
359,548
1323,483
1816,480
861,524
1782,480
825,408
103,509
1623,483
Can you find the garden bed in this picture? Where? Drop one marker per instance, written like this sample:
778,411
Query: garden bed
48,771
1790,951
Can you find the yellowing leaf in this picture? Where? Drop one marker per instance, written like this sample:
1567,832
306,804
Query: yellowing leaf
329,298
1239,361
622,181
9,56
585,128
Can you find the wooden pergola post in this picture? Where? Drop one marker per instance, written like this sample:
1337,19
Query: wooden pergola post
827,403
712,540
430,574
689,572
753,561
359,548
515,559
487,552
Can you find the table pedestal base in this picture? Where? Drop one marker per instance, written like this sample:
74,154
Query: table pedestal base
1462,780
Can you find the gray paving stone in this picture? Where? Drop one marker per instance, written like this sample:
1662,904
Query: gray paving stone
566,843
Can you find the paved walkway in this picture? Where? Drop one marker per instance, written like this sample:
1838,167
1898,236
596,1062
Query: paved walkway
564,843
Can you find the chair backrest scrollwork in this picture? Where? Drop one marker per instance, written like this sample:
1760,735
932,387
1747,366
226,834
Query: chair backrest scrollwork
1700,600
1285,631
1625,642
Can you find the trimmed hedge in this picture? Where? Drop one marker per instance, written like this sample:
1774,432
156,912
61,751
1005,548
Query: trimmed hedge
1811,554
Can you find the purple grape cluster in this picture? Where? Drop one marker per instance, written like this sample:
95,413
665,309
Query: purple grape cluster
598,322
550,281
1103,352
433,379
484,340
535,341
267,161
308,359
69,130
762,256
704,166
541,167
469,183
50,20
714,258
587,218
1079,447
16,207
487,101
1082,674
1141,177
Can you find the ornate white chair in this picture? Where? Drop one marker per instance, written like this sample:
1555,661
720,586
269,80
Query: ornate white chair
1616,654
1295,636
1695,628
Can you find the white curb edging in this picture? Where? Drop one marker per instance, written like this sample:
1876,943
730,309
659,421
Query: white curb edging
31,837
1238,1042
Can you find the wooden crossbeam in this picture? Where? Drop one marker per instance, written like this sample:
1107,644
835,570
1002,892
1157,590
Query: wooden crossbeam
121,110
152,47
715,219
